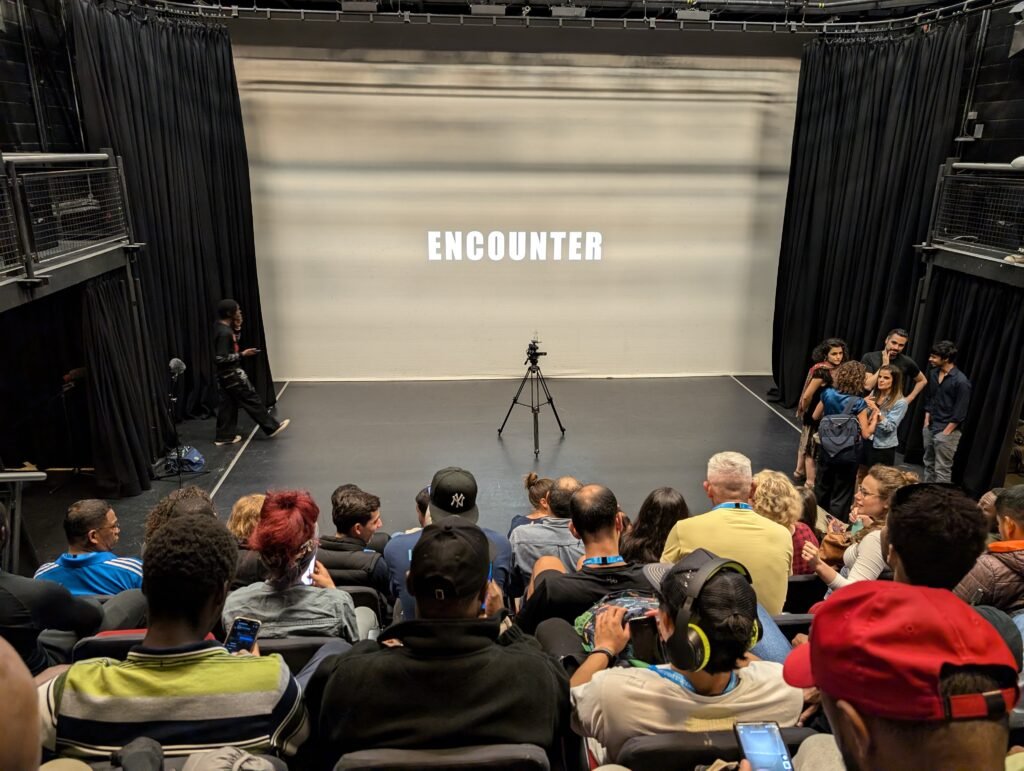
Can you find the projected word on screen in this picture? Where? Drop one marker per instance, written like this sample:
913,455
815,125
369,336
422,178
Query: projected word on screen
518,245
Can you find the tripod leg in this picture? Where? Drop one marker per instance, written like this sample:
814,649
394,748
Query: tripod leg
551,401
515,400
535,408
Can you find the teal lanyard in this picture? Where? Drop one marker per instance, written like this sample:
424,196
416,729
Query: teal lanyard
682,682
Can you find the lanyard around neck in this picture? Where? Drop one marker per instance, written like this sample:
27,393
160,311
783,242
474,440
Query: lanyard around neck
614,560
682,681
734,505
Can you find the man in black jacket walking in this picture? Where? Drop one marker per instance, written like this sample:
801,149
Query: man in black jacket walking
450,678
235,389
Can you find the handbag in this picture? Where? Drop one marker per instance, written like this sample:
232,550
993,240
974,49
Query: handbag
833,547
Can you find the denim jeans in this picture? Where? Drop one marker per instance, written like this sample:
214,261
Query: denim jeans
939,451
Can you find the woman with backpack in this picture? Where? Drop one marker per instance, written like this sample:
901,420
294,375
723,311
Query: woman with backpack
845,420
827,355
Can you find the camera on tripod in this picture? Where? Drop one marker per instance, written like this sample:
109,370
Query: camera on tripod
532,354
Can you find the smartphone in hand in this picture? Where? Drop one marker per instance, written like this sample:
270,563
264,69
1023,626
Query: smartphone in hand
643,634
763,746
242,635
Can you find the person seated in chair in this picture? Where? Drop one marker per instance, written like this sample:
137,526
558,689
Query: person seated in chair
347,555
449,678
997,578
548,536
177,688
707,622
89,566
594,518
298,597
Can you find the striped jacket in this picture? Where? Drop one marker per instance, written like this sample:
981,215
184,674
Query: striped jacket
98,572
189,699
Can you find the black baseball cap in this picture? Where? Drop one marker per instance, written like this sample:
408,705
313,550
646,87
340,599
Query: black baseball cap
453,491
450,561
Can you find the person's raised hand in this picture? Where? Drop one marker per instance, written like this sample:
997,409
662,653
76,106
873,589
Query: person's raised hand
321,577
611,630
810,554
494,601
250,351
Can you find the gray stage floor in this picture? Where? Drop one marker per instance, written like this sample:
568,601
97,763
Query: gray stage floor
389,438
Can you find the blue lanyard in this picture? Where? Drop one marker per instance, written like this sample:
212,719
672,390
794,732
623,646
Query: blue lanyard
616,560
681,681
744,506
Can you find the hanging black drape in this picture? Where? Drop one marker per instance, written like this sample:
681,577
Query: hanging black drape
986,321
875,119
162,93
116,395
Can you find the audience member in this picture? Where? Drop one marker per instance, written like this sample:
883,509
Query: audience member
347,554
448,678
812,514
837,476
946,403
912,381
708,622
887,399
658,514
165,508
864,559
177,688
27,607
733,530
910,677
987,504
19,714
997,578
776,498
549,536
554,593
827,355
298,596
89,566
422,501
537,489
380,538
245,514
452,491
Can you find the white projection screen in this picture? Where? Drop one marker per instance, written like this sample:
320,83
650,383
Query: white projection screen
680,164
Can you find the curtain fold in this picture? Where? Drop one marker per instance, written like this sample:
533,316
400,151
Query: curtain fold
162,93
986,321
875,119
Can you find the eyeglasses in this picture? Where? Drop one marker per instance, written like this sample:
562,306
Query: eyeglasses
864,493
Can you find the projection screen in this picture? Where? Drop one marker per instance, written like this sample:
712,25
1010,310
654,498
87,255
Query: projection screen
366,171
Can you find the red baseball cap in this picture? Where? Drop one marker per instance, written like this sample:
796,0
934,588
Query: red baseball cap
882,646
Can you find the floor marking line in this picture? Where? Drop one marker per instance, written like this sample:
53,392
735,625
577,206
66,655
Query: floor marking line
766,404
241,449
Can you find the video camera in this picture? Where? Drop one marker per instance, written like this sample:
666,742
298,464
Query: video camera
532,352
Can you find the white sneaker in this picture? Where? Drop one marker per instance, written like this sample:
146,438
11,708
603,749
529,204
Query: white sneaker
236,440
280,428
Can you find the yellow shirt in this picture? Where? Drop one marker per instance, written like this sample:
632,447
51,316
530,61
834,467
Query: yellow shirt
763,547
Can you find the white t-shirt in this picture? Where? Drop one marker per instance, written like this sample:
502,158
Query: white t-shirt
620,703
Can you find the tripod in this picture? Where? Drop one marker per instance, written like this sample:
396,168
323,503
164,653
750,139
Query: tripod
172,402
537,384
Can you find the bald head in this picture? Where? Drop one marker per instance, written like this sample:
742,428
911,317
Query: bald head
560,495
594,511
19,713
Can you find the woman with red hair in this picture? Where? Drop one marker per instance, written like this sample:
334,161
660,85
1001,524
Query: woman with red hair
298,597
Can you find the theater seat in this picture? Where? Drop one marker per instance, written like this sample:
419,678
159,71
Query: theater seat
110,645
368,597
792,624
296,651
498,757
683,750
803,592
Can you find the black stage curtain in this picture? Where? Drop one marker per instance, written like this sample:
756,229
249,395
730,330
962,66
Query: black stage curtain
875,119
162,93
116,395
986,321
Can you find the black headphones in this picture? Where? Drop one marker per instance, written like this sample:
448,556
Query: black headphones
688,647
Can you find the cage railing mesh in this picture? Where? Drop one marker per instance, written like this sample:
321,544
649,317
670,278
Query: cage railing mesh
68,211
981,211
10,252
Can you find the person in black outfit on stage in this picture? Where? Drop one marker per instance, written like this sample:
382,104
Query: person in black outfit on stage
235,389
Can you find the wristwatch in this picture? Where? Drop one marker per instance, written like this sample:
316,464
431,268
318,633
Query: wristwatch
611,656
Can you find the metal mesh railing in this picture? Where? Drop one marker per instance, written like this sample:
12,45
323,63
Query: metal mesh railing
68,211
10,253
981,211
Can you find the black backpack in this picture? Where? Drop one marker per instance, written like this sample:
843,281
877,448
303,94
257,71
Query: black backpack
840,435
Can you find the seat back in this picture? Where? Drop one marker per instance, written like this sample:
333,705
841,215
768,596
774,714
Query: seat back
803,592
683,750
368,597
111,645
792,624
497,757
296,651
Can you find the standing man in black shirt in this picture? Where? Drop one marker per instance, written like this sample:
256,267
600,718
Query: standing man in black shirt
945,409
235,389
892,354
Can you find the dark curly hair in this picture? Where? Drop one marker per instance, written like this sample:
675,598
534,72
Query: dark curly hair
821,350
165,508
938,534
185,565
848,378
